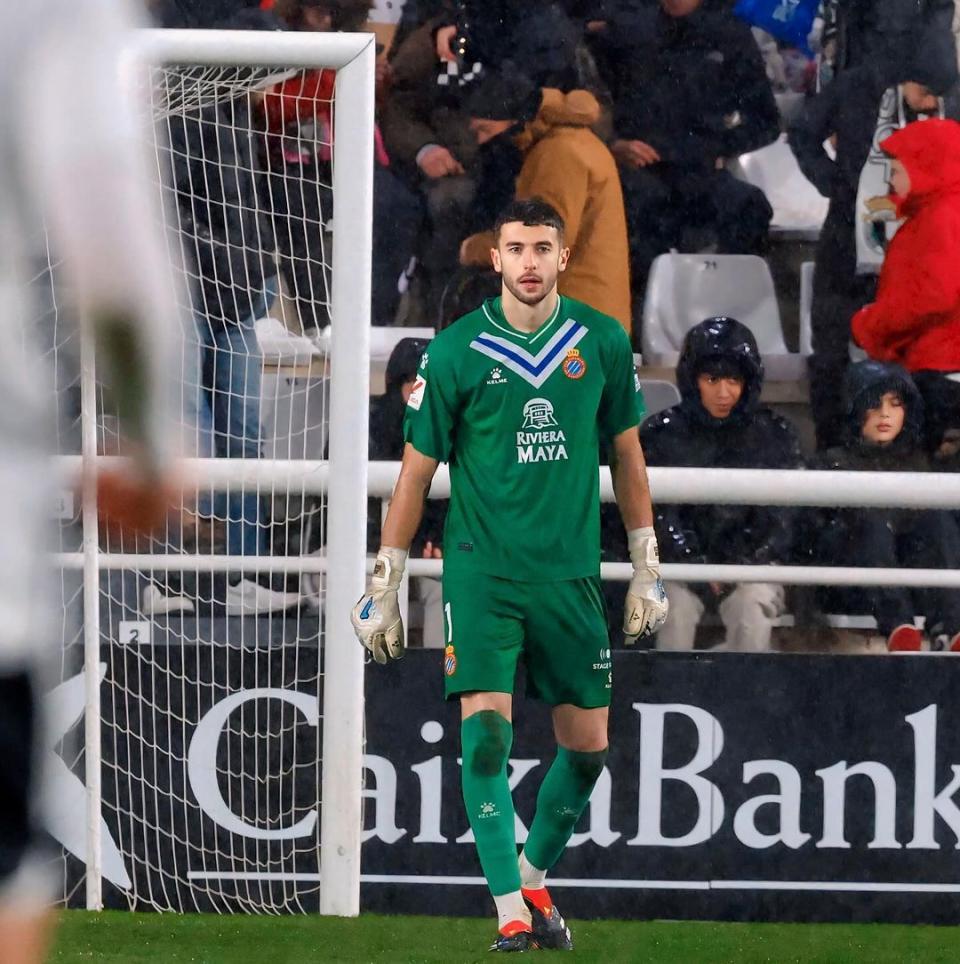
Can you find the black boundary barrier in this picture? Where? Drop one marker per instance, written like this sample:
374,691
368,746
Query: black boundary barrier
739,787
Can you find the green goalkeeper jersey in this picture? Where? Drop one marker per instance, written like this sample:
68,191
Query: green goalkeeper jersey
520,419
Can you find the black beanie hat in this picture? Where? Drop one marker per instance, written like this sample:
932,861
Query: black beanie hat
935,64
503,94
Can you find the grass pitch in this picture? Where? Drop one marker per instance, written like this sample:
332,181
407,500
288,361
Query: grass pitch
116,937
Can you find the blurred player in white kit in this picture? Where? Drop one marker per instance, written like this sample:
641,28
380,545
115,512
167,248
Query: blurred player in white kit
71,160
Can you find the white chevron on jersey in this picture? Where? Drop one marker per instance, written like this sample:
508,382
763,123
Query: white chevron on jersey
535,369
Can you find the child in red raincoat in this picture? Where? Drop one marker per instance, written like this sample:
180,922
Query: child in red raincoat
915,320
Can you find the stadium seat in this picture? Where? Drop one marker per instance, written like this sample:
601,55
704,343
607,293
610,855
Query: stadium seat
294,415
384,338
292,393
857,354
296,392
280,346
799,209
658,395
684,289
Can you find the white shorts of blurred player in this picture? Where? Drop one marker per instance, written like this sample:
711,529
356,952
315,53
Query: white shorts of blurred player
27,507
430,595
747,614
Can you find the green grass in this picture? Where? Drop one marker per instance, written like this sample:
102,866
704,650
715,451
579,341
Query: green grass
211,939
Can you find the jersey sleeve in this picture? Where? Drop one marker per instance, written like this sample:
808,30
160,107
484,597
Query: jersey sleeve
429,422
621,404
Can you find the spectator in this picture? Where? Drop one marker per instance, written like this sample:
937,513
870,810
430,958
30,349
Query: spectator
883,424
690,90
427,132
863,32
720,423
215,179
568,166
415,13
846,113
538,34
429,142
915,319
298,115
386,445
206,14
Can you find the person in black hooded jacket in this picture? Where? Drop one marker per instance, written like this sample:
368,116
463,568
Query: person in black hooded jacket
720,423
690,91
386,445
884,427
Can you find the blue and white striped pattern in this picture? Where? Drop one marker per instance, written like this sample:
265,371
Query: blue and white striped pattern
535,369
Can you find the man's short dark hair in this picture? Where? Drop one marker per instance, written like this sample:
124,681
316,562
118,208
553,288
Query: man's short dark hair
532,212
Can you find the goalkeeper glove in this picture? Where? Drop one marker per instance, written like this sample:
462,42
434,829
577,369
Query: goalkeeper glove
376,617
647,605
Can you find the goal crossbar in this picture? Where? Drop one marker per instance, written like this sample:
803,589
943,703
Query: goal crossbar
246,48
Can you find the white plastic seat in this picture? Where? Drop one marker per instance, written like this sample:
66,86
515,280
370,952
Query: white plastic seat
280,346
384,338
799,209
684,289
856,353
658,395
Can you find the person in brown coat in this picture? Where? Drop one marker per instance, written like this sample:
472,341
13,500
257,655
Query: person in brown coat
568,166
428,138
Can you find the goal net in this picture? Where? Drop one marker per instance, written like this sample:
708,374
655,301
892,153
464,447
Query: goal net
214,636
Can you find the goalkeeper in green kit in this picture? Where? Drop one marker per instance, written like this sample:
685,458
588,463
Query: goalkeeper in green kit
517,397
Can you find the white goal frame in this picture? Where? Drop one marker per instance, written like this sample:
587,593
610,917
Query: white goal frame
353,57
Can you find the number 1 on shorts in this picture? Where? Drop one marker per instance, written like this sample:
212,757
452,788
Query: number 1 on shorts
449,618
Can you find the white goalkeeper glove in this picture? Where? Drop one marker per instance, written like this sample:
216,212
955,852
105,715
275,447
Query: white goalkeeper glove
647,605
376,617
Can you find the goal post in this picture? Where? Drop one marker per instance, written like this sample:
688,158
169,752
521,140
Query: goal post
144,830
340,817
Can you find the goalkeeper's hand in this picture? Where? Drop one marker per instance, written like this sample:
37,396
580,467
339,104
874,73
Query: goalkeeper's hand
647,605
376,617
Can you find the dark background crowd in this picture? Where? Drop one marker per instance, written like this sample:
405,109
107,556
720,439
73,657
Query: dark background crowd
629,116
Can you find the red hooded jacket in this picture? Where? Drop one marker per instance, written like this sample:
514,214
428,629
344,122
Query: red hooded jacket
915,320
305,96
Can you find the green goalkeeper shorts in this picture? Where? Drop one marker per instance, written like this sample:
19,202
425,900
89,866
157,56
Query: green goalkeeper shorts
559,628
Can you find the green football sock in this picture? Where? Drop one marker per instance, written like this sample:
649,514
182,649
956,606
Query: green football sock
563,796
486,738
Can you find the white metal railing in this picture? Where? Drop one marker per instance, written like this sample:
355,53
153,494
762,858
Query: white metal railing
782,487
787,487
